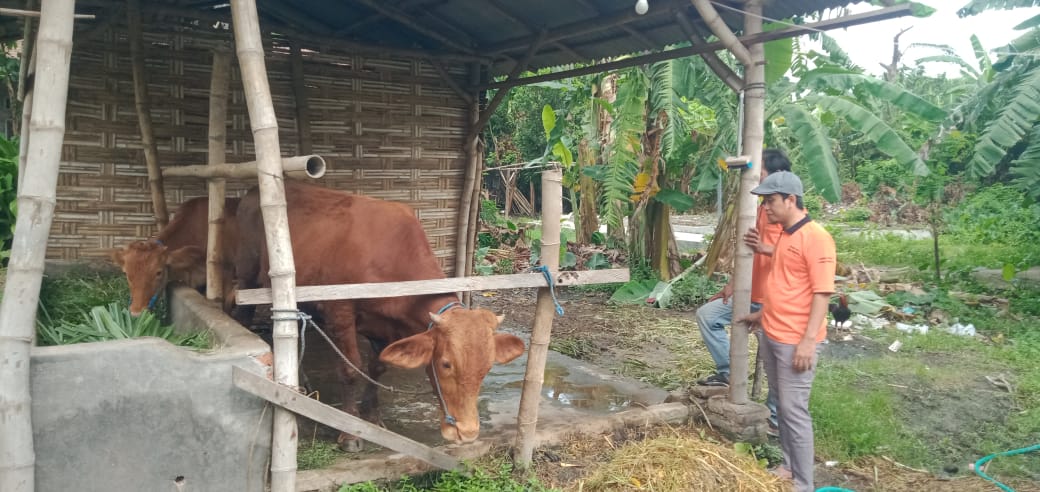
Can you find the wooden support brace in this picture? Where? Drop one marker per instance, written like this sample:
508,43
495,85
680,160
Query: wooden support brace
520,66
721,30
436,286
443,72
726,74
317,411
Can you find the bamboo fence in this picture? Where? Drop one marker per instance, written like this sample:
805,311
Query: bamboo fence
390,128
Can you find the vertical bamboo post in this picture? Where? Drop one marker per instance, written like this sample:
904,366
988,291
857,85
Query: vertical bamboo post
218,97
36,200
753,138
143,104
27,103
462,255
264,123
303,111
474,209
527,417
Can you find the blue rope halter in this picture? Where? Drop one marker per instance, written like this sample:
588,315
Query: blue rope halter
448,417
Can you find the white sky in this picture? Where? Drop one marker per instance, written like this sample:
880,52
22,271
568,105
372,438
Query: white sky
870,44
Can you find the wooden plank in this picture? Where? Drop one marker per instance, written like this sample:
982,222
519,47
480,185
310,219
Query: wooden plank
437,286
317,411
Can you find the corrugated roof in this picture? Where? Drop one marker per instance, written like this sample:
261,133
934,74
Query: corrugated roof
497,31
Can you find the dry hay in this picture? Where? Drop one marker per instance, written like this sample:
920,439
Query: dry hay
674,463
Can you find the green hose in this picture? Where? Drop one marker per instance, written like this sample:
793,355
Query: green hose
983,461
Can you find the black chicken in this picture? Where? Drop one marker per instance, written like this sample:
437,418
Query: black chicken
840,311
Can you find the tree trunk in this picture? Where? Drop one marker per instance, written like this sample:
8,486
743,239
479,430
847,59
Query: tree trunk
264,124
36,200
463,257
588,196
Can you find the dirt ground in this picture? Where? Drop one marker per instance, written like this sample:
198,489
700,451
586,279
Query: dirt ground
646,342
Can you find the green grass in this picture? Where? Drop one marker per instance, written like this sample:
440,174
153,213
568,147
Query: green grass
494,476
891,250
317,454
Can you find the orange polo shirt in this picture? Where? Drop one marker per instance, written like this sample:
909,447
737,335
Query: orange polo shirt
768,234
803,265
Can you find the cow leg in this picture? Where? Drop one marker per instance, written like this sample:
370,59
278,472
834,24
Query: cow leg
370,398
340,324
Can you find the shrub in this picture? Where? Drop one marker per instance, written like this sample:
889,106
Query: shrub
8,194
813,204
855,214
996,214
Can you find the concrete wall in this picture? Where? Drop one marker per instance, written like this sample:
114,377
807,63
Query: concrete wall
143,415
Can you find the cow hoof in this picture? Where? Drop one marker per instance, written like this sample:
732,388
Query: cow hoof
350,444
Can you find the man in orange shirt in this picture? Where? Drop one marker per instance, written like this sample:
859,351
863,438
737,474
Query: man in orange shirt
716,314
794,317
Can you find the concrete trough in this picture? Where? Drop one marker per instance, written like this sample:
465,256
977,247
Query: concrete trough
145,415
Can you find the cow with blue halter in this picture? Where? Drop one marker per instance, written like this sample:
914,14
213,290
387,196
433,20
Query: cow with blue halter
341,238
177,253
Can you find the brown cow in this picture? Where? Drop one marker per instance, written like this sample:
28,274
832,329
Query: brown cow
339,238
177,253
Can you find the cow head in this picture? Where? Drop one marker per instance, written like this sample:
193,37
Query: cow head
458,350
146,264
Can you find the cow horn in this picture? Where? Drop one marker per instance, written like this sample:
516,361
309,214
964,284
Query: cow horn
501,318
435,318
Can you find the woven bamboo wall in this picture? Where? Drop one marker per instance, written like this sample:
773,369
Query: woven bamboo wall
388,128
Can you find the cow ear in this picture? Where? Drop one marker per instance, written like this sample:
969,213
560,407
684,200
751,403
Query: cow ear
435,318
507,347
185,258
409,353
117,256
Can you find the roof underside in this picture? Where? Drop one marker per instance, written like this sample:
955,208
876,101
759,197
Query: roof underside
498,32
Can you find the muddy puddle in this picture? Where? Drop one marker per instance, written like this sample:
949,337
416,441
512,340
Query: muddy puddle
572,390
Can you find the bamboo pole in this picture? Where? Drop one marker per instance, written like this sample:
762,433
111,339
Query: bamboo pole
301,166
27,103
718,27
743,264
36,200
462,254
144,111
30,13
303,111
264,123
474,210
712,60
527,417
218,104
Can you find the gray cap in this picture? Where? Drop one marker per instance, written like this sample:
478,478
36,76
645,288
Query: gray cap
780,182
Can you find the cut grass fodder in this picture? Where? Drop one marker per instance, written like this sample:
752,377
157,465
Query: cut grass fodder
114,322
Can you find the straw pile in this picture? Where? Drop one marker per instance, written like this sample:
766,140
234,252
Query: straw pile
681,463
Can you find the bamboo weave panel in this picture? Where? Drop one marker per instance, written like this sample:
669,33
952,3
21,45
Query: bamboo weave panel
390,129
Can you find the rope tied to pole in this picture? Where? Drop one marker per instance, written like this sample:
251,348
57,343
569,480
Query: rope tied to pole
552,286
307,320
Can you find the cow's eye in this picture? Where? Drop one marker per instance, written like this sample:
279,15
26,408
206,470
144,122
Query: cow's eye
158,273
445,364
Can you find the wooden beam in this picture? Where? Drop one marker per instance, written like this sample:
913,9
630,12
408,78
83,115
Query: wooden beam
647,43
409,22
497,4
362,48
437,286
143,104
292,16
900,10
485,115
443,72
29,13
287,398
362,22
726,74
303,111
586,26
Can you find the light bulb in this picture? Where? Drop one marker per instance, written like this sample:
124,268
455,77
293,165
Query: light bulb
641,7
